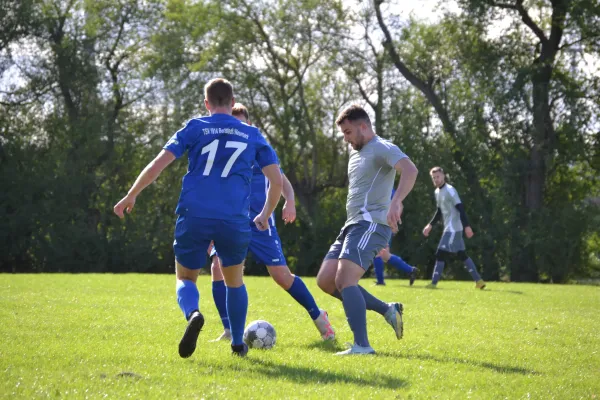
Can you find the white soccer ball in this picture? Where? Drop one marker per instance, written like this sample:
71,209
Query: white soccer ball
260,335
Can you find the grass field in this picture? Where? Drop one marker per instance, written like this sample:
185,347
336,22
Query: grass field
116,336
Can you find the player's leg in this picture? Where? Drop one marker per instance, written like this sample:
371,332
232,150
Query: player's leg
219,292
232,241
395,261
328,271
361,244
470,266
441,257
189,248
378,266
266,247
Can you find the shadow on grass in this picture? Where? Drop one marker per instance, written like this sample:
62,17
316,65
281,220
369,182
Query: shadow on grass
315,376
503,369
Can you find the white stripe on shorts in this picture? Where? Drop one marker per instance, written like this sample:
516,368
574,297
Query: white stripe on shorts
366,236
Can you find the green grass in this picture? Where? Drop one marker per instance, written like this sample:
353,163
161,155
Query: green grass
116,336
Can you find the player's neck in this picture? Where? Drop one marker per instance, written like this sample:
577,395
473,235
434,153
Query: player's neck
220,110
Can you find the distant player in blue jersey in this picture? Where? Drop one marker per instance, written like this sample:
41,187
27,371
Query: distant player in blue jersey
266,247
395,261
451,210
213,205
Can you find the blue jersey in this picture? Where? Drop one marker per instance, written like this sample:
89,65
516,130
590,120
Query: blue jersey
221,152
258,195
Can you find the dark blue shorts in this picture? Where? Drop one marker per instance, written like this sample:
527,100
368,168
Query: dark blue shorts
265,245
193,236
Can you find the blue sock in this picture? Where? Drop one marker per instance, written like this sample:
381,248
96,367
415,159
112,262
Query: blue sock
356,312
470,265
219,293
437,271
237,308
378,267
400,264
188,297
300,293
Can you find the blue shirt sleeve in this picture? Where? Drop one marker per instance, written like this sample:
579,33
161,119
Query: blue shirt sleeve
181,140
265,155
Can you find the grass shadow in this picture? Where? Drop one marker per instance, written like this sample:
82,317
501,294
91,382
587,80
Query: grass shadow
315,376
327,346
503,369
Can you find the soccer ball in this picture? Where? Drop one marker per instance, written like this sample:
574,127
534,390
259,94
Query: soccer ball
260,335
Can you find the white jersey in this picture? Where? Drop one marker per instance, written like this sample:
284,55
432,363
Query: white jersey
447,198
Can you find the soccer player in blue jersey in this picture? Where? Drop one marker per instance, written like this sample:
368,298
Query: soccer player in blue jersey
372,218
213,205
395,261
266,247
451,210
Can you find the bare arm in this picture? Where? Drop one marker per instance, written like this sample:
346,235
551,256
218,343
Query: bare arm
146,177
289,208
408,175
273,174
287,190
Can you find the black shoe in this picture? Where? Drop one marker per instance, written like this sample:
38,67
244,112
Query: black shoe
187,345
379,283
240,350
413,276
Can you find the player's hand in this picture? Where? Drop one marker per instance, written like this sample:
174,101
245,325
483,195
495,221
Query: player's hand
394,215
427,230
288,213
469,232
126,204
262,222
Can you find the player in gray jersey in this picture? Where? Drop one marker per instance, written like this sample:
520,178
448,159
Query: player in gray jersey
371,219
452,211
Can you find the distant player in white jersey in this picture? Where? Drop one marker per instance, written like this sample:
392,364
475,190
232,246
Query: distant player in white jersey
371,219
452,211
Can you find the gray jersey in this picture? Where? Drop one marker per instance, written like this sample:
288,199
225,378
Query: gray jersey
447,199
371,176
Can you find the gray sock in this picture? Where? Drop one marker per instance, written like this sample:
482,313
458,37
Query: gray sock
373,303
470,265
356,312
437,271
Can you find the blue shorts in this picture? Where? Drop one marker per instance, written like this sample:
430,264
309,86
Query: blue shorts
265,245
193,236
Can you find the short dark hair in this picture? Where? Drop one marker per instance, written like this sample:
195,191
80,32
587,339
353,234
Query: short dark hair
218,92
436,169
353,113
240,109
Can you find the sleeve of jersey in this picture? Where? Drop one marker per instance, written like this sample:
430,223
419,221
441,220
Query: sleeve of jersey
179,142
265,155
455,197
393,154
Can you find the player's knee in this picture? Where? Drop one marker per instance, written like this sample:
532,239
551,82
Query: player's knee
215,269
326,277
282,276
384,254
441,255
462,255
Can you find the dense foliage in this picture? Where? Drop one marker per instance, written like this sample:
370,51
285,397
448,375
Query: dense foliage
504,95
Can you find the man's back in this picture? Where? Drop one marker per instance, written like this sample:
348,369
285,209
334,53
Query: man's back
221,152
